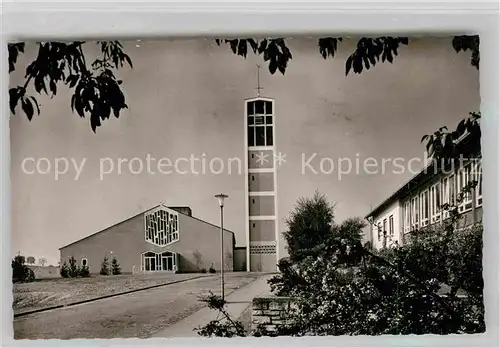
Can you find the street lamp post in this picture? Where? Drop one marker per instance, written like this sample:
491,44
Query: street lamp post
221,198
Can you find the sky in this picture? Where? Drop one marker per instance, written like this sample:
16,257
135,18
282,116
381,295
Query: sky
186,98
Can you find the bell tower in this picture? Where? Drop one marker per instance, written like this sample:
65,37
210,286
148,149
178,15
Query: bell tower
261,185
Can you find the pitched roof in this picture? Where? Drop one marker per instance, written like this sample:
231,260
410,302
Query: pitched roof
418,179
142,212
401,190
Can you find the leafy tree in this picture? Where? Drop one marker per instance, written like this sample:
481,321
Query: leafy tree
368,52
308,225
97,91
447,145
104,266
30,260
314,218
42,261
21,272
115,267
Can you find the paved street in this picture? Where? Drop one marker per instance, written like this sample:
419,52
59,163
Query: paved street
139,314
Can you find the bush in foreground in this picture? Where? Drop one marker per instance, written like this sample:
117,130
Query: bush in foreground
432,285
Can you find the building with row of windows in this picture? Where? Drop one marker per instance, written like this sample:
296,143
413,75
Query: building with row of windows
421,201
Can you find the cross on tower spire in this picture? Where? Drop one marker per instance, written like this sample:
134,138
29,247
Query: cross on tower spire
258,81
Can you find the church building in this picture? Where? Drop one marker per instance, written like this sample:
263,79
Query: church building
171,239
161,239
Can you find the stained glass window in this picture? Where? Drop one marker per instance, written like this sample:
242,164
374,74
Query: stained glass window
162,227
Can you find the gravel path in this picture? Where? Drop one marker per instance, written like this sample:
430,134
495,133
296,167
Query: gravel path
138,314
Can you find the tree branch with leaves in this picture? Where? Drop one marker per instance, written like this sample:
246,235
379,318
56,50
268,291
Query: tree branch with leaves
96,90
98,93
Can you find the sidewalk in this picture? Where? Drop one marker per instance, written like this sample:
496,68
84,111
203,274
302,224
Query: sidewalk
237,303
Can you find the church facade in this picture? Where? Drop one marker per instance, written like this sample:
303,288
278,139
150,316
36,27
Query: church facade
161,239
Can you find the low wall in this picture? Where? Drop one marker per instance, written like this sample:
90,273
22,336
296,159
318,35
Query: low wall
270,312
45,272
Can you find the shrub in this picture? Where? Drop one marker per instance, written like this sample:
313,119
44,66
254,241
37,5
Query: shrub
379,295
287,281
203,270
64,271
343,288
227,327
432,285
73,269
84,272
104,267
115,267
211,269
29,275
